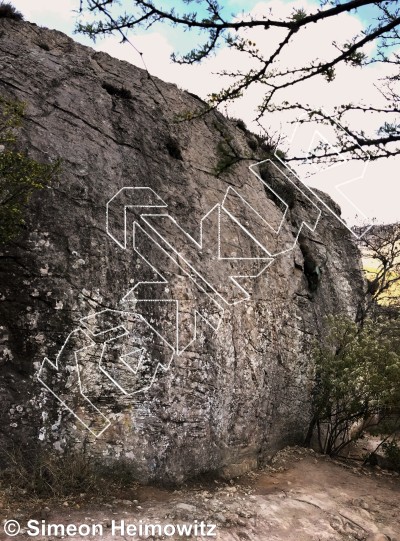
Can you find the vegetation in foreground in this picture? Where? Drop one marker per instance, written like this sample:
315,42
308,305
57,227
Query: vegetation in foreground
42,474
357,382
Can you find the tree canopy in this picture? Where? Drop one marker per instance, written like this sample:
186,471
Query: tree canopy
377,43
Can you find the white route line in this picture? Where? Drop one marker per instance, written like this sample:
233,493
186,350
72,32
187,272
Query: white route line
176,350
142,189
55,366
339,184
126,333
303,223
200,246
163,280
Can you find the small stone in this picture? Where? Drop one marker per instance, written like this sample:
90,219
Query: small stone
186,507
221,518
366,514
66,504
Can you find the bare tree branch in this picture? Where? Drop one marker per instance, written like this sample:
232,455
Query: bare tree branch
383,31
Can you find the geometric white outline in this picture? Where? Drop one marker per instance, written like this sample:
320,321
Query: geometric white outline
277,231
130,196
132,192
96,415
99,416
340,184
200,245
162,280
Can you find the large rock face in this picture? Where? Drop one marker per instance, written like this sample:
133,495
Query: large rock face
206,399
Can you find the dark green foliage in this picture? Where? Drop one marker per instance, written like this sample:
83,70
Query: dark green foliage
357,379
173,148
226,158
269,149
264,149
20,175
227,153
253,143
389,425
280,154
391,451
241,125
117,92
8,11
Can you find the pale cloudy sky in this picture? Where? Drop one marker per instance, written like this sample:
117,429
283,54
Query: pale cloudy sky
377,195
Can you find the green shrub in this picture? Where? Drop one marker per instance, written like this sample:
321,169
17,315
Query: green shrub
387,425
391,451
241,124
253,143
8,11
228,154
226,158
357,379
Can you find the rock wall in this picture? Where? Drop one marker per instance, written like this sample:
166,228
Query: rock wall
174,405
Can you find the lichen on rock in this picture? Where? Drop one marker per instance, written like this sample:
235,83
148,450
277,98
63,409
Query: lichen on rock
235,396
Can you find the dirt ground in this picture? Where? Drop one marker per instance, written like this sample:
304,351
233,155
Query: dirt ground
302,496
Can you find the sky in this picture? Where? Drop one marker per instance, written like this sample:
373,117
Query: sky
376,196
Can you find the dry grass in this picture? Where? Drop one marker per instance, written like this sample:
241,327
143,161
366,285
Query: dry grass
45,475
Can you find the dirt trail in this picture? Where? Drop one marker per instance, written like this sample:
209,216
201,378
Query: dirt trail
301,497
